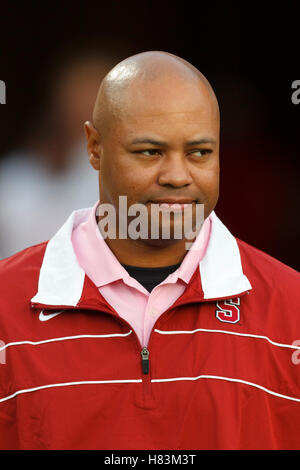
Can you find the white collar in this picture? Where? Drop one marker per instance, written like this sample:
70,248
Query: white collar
61,277
221,269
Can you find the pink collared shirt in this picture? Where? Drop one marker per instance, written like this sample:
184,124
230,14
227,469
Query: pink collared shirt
125,294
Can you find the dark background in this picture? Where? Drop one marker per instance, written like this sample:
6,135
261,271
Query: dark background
250,55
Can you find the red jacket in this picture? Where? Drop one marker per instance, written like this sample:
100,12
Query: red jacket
223,368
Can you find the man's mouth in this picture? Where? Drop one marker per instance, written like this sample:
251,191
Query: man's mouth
173,203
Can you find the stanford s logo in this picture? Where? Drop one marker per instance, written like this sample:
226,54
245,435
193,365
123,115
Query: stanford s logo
228,310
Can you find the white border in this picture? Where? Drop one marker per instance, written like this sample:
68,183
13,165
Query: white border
250,335
63,338
229,379
64,384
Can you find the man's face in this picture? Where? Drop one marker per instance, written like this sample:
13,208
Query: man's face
165,146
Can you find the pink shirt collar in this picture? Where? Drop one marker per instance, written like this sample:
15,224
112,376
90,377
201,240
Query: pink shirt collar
103,268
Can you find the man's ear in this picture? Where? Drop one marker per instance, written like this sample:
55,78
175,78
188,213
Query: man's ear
93,145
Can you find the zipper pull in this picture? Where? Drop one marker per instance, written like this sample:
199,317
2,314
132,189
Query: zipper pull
145,360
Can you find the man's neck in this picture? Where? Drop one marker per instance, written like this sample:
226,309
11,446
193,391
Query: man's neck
141,253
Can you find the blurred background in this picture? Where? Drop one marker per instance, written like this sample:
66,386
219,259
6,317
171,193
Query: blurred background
52,61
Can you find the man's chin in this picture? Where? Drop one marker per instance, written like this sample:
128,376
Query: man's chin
161,242
168,237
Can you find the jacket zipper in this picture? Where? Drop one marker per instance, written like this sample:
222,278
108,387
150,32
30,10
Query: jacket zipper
147,391
145,360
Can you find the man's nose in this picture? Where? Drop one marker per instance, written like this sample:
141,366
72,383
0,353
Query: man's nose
174,171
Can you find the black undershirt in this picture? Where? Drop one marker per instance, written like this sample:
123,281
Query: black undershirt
150,277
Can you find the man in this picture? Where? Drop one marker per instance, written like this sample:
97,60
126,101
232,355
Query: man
125,342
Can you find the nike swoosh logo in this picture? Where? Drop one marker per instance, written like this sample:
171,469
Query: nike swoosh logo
43,317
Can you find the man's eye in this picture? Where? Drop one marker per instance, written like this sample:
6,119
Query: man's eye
149,152
201,153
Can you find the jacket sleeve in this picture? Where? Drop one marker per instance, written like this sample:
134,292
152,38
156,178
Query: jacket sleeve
8,419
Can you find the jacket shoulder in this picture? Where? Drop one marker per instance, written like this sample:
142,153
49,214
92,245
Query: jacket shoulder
260,265
21,269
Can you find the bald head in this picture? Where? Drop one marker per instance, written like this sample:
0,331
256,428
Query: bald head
149,77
